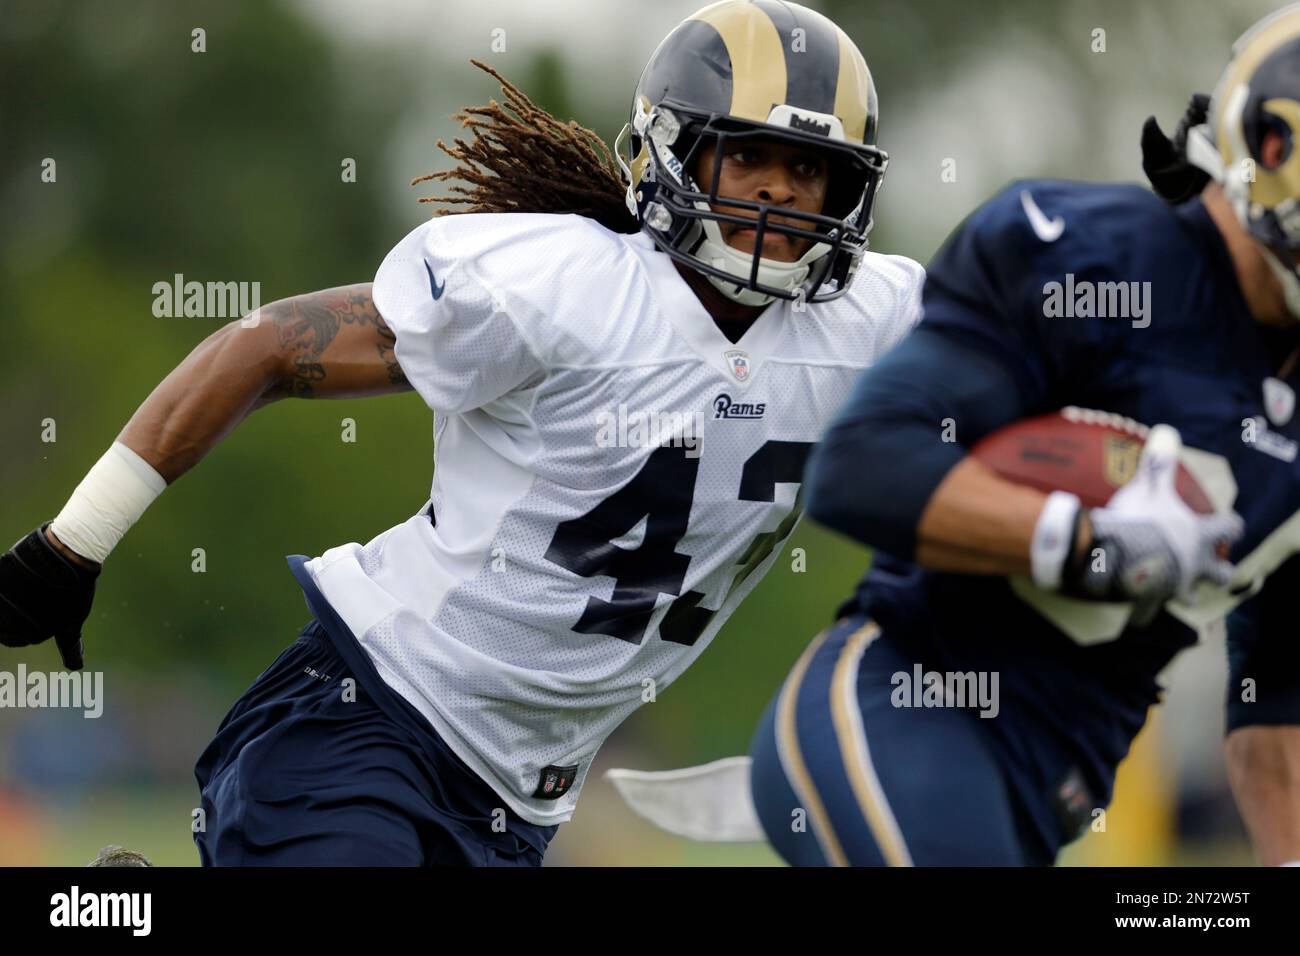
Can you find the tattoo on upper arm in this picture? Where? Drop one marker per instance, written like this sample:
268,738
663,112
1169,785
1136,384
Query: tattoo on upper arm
310,323
388,351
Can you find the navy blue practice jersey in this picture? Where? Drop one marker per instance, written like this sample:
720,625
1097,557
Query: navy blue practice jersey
1059,294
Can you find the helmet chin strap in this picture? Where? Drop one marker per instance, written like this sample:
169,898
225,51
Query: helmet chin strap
771,272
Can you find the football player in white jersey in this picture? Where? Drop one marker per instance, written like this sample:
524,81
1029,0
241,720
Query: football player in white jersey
627,374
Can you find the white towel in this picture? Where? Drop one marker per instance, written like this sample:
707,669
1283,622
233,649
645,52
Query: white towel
710,803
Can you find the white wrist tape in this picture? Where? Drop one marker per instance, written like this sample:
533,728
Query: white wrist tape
1053,535
111,498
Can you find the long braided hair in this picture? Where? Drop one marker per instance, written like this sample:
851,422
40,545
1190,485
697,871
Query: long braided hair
520,158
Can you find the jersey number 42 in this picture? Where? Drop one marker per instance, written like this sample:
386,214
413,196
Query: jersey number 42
661,494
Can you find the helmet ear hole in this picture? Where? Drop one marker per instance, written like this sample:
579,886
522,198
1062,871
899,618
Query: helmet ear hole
1275,146
844,185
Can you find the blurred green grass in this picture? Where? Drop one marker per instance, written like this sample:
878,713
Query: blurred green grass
153,821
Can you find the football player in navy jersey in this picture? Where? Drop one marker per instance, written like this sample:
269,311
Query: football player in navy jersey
1067,614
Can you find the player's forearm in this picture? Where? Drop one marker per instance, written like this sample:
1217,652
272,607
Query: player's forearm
225,378
915,494
979,523
329,344
903,432
231,373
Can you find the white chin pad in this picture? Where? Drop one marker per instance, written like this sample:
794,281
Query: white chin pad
716,252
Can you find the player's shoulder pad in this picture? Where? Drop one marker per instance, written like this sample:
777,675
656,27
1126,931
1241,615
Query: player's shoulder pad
507,247
878,271
882,285
539,269
1061,225
516,257
887,288
1037,235
882,304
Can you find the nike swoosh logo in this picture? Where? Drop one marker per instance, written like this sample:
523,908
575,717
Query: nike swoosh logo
1048,230
433,283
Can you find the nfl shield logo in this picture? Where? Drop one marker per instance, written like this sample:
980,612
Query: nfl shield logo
1120,459
554,782
1279,401
738,362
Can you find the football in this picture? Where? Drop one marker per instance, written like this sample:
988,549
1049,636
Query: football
1089,453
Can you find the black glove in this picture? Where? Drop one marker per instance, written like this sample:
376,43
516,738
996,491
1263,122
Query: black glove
43,595
1165,161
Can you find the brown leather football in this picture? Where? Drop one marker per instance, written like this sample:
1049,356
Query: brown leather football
1089,453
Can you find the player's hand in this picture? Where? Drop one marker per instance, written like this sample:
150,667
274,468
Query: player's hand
1165,160
1147,545
44,594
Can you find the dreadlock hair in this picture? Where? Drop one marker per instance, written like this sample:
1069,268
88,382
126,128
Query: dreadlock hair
114,855
520,158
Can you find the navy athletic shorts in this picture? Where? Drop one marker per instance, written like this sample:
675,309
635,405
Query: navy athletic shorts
318,765
842,774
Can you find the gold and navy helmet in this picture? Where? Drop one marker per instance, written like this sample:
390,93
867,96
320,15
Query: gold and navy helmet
755,68
1250,144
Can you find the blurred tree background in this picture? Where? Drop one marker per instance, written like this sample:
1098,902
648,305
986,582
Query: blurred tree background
225,165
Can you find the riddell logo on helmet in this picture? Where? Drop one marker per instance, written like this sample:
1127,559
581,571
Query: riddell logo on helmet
806,121
809,125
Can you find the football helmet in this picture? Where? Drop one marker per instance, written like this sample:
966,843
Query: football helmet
744,69
1259,95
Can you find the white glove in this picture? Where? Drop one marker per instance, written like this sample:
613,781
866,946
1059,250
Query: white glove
1148,546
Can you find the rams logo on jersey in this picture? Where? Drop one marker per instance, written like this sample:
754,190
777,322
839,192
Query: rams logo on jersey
724,407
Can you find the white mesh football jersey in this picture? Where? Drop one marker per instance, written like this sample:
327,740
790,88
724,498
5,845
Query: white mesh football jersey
612,477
